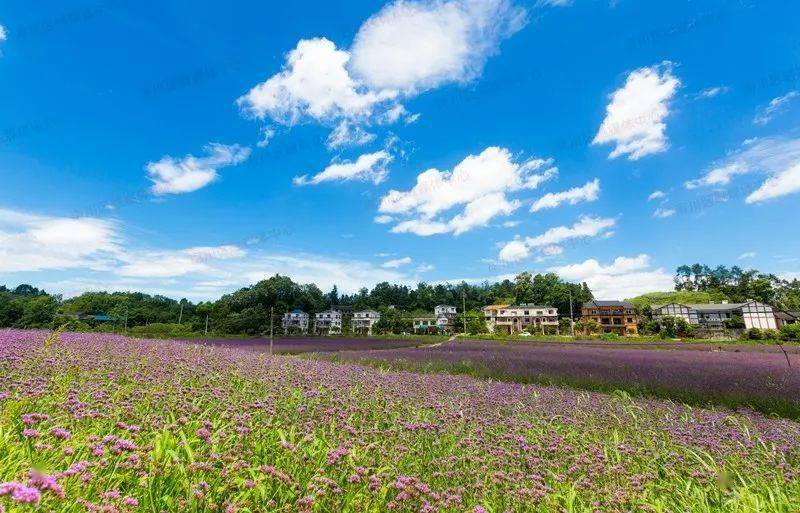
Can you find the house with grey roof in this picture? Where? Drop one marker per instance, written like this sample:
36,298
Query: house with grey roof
713,316
295,321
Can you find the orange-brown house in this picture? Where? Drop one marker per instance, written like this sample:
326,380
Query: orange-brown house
614,316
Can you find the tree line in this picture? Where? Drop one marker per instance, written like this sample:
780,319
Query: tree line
247,311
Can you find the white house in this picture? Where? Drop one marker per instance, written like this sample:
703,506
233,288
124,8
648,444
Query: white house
443,319
364,321
712,316
328,322
515,318
296,320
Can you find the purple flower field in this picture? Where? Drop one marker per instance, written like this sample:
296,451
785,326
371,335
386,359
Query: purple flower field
103,423
308,345
754,376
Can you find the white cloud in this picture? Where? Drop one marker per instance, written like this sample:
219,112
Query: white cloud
712,92
171,264
748,254
383,219
347,134
403,50
368,167
314,84
31,242
766,114
780,184
411,46
589,192
777,157
663,213
549,242
396,263
178,176
515,251
635,117
424,268
267,133
656,195
3,34
555,3
479,183
624,278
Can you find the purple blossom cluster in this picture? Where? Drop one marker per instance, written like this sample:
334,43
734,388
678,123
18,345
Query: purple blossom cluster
747,376
128,425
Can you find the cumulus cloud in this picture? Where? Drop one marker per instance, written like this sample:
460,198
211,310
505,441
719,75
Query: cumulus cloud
3,34
589,192
656,195
479,183
30,242
314,84
765,115
625,277
549,243
748,254
777,157
411,46
370,167
406,48
188,174
635,117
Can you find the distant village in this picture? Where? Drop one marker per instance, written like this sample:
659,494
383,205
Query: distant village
617,317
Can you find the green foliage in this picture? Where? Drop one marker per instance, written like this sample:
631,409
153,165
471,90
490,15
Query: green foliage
754,334
649,327
678,296
770,334
676,327
476,323
588,327
739,285
735,323
161,330
550,290
790,332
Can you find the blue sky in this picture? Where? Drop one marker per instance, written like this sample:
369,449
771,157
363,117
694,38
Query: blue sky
190,148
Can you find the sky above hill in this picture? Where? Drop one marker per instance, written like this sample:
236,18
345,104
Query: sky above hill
192,148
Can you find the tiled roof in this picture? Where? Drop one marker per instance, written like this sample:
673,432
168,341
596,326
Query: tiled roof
601,303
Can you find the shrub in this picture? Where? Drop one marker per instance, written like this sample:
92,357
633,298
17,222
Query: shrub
610,336
771,335
790,332
162,330
754,334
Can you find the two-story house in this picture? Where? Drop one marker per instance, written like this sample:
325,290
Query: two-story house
328,322
295,321
516,318
614,316
364,320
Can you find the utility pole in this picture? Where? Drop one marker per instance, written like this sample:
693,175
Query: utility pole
271,327
126,318
571,318
464,306
206,331
180,316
